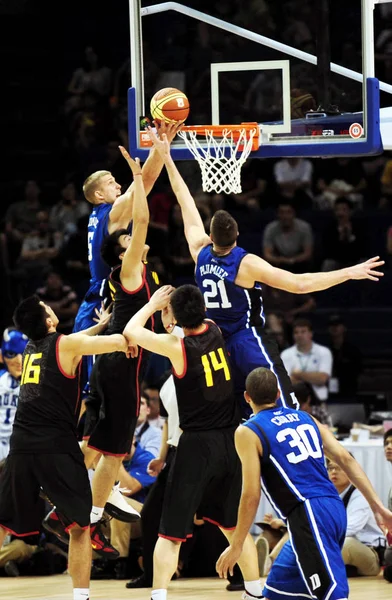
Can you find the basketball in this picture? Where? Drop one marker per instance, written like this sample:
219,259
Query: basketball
169,105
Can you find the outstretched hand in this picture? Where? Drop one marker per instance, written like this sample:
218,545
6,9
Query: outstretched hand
366,270
170,130
161,144
133,164
227,560
103,315
384,519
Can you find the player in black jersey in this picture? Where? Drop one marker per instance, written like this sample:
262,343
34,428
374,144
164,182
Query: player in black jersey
44,449
205,476
115,382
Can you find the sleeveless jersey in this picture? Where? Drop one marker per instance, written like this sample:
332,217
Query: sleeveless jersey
9,394
230,306
126,304
293,464
49,402
97,230
204,391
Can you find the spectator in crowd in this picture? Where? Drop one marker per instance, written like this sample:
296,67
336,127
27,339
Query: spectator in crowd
347,360
365,542
293,177
62,299
386,183
288,241
21,558
309,362
39,248
12,347
270,542
91,76
291,306
74,258
277,328
341,177
388,551
21,217
65,213
309,402
180,261
343,243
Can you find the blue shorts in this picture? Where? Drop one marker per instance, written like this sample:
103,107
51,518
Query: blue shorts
252,348
85,319
310,564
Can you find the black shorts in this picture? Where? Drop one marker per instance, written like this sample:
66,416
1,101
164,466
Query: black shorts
205,479
115,400
63,478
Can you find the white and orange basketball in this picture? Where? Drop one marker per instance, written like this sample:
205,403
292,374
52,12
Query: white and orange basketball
169,105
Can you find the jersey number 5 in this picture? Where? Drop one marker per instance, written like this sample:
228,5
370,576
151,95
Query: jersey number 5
304,439
212,363
31,372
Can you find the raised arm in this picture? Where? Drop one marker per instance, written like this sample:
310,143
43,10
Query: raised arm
254,269
160,343
193,225
336,452
249,450
122,211
131,274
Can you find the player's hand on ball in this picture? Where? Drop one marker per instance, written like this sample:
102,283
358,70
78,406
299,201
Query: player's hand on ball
161,298
133,164
168,129
227,560
366,270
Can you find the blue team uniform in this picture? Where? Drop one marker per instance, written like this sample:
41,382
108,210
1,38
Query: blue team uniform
295,480
239,314
96,232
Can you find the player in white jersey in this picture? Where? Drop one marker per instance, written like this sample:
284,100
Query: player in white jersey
12,347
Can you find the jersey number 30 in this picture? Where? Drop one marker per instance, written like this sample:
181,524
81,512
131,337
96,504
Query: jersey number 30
304,439
211,363
31,371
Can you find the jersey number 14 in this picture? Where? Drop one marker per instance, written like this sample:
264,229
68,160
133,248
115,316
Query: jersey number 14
211,363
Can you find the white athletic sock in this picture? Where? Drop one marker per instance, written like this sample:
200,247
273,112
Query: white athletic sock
96,514
81,594
159,594
253,588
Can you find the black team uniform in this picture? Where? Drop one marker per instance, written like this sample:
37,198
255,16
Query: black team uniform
44,450
205,477
114,399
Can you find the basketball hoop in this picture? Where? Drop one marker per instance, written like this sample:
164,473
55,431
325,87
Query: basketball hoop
222,153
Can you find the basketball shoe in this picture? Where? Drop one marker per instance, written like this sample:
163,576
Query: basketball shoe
100,544
118,507
55,524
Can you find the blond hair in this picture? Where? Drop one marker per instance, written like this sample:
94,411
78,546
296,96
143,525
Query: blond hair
91,184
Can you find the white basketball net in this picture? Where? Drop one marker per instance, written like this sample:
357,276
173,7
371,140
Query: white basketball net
220,173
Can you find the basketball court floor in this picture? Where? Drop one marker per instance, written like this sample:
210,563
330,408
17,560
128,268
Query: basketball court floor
59,587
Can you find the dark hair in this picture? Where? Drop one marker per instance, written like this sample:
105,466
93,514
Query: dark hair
344,200
188,306
262,386
224,229
111,248
303,323
387,434
30,318
303,390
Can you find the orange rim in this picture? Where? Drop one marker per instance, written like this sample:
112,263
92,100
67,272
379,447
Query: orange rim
218,130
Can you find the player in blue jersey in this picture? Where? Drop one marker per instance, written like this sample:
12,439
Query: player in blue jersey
286,449
111,211
12,348
230,280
